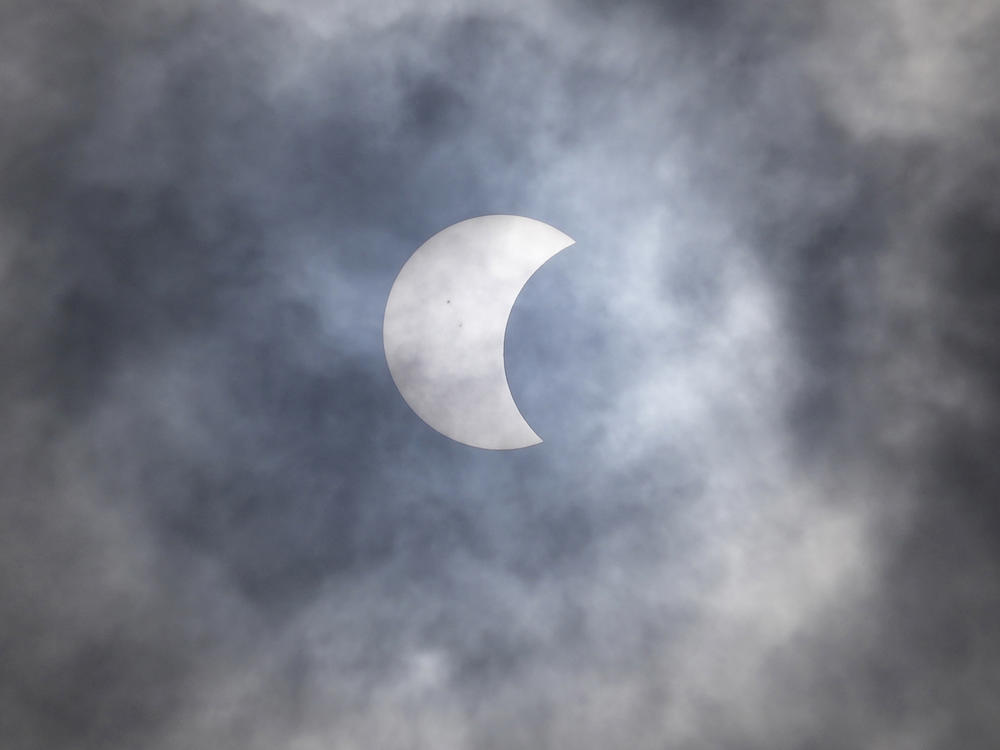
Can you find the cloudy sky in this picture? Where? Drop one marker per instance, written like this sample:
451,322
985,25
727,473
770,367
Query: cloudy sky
765,514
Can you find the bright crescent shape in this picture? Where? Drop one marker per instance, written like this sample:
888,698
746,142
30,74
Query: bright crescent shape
445,322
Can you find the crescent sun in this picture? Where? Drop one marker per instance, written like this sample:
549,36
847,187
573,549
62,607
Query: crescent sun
445,323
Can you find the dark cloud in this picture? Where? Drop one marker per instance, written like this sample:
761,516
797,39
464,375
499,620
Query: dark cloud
763,514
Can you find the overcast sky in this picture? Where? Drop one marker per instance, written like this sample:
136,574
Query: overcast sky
767,375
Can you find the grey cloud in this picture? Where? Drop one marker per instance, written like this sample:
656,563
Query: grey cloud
763,515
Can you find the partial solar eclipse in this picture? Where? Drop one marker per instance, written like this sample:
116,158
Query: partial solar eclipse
445,323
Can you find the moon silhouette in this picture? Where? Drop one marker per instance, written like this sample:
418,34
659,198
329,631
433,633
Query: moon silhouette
445,323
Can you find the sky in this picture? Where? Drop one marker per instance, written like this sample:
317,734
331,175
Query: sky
767,376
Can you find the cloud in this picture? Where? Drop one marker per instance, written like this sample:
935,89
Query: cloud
762,515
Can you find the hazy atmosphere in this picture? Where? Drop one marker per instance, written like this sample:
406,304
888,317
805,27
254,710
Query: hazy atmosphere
766,511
